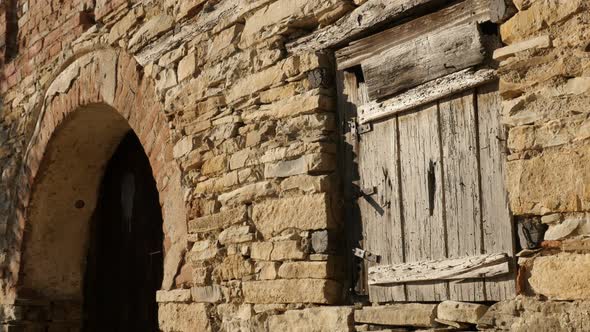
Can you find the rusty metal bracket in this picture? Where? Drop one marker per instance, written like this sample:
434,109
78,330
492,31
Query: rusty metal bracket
366,255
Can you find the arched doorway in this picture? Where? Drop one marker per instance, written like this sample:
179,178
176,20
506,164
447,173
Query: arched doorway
125,259
94,100
94,243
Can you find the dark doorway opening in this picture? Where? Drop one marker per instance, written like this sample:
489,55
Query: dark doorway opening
125,259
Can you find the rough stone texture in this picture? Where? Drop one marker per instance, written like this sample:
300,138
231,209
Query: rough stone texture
561,277
528,314
292,291
421,315
304,212
192,317
460,311
313,320
314,270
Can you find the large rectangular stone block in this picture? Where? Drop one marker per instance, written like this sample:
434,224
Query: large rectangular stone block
555,181
174,317
218,220
309,212
323,319
561,277
412,314
292,291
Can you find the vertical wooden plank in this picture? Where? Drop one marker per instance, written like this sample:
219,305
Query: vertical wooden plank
421,187
461,187
498,235
346,84
378,155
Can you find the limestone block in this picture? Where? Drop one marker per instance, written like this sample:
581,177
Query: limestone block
155,27
203,250
326,319
259,81
564,172
187,8
124,25
247,193
561,230
277,251
411,314
307,183
524,314
174,317
304,270
310,102
529,44
236,234
267,270
225,42
308,212
207,294
461,311
320,241
292,291
176,295
219,220
316,162
182,147
187,67
561,277
539,15
300,13
233,267
214,165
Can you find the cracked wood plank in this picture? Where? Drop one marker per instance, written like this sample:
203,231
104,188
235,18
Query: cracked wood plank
425,93
482,266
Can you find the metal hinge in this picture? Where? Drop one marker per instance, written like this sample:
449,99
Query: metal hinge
368,256
356,130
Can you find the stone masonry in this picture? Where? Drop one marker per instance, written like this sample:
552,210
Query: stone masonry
243,140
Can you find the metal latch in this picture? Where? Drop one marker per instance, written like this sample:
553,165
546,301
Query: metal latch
364,254
366,192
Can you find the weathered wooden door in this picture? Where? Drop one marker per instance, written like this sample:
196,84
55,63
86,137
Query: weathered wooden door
428,179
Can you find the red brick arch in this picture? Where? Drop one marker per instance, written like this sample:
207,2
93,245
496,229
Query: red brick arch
114,79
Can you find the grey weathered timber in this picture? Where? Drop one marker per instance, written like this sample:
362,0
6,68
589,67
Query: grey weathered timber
497,224
421,188
458,128
382,228
457,14
426,93
367,17
423,59
446,269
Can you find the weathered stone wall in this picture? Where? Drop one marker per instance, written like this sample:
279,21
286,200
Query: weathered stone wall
253,132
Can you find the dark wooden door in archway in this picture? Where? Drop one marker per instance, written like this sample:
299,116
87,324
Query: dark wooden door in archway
125,263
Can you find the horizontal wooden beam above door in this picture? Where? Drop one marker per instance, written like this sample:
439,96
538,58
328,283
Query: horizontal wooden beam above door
457,14
423,59
482,266
441,87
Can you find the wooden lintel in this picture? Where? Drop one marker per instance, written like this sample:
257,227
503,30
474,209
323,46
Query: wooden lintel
366,17
482,266
460,13
425,93
423,59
